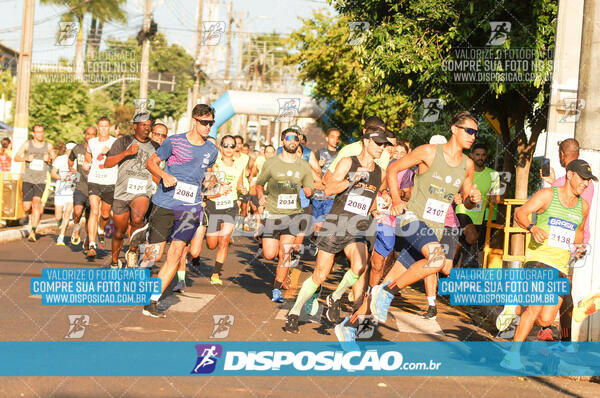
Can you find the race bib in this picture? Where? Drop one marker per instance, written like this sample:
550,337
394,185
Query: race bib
37,164
101,175
185,192
136,186
562,233
357,204
287,201
435,210
224,202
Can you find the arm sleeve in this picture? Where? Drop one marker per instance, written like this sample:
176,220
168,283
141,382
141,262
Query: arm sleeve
264,173
165,150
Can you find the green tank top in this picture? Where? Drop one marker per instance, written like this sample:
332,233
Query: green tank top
229,175
561,223
434,191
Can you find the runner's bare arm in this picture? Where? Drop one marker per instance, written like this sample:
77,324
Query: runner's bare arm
536,204
54,173
152,164
51,153
471,195
421,154
316,171
579,234
339,181
20,155
260,192
112,161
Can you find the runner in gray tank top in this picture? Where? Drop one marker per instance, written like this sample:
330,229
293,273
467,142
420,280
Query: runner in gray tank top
38,155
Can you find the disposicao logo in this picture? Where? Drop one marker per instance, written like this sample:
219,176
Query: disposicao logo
207,358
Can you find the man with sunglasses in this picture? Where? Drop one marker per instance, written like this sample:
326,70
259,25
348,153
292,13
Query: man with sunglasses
159,133
177,204
278,187
442,171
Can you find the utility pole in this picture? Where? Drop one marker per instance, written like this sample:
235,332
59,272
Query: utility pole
197,56
240,49
248,58
145,51
228,53
23,83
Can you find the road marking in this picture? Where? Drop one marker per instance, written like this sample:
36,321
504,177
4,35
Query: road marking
36,296
415,323
186,302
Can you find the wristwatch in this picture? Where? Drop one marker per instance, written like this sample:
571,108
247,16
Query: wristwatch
530,226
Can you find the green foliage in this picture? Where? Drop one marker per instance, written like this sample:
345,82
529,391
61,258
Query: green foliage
61,108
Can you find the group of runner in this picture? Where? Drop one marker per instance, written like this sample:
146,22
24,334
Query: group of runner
369,199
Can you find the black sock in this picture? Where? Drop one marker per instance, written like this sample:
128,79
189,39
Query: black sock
545,327
394,290
218,268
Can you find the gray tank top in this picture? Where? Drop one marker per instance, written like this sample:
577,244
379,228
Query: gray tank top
434,191
36,170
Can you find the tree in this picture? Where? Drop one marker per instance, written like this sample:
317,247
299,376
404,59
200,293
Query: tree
102,12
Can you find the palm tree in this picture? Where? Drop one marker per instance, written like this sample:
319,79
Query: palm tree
103,10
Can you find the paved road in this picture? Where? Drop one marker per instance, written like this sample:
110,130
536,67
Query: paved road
247,282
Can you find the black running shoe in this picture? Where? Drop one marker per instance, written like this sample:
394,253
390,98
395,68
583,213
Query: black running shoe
431,312
333,309
193,266
153,311
291,326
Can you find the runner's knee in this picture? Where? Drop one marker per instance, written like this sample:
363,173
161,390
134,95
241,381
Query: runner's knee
435,255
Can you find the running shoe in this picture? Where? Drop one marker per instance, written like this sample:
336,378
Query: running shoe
179,287
381,300
509,332
346,335
193,266
138,236
92,251
60,241
506,317
277,297
75,239
586,307
153,311
114,265
291,326
512,361
86,244
431,313
32,237
101,242
131,258
333,309
215,280
311,307
545,334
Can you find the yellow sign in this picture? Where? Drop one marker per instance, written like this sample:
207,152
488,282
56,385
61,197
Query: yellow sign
495,123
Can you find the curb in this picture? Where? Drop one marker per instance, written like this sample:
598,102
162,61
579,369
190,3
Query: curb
22,232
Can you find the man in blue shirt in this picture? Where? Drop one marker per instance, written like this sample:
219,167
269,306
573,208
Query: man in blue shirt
178,210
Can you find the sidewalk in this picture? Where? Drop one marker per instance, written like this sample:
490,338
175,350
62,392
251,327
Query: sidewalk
9,234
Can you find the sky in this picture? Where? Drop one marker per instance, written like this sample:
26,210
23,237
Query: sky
176,18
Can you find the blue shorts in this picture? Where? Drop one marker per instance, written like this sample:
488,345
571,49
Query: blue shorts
321,208
416,235
175,224
385,240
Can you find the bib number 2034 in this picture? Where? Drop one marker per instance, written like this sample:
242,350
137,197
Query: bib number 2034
286,201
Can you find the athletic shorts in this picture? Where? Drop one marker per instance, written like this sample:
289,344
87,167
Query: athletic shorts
32,190
465,220
412,244
177,224
216,217
123,206
385,239
537,264
450,241
62,200
320,208
81,199
105,192
243,198
334,244
275,227
254,201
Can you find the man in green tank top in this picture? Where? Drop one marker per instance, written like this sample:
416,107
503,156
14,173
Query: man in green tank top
38,155
443,170
561,215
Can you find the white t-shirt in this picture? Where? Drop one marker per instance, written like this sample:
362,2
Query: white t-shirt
64,186
99,175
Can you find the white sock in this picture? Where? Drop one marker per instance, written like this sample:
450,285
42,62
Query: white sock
155,297
431,300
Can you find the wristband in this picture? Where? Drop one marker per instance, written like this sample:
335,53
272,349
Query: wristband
530,226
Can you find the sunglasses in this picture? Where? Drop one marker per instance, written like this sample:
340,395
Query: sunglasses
228,145
205,122
469,130
377,143
291,137
159,135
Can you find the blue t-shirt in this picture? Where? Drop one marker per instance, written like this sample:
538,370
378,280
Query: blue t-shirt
304,201
188,163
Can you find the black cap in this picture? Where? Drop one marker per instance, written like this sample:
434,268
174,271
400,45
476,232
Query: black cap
141,117
582,168
379,136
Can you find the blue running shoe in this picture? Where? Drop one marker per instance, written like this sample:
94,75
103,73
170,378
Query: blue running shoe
277,297
346,335
311,307
380,302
